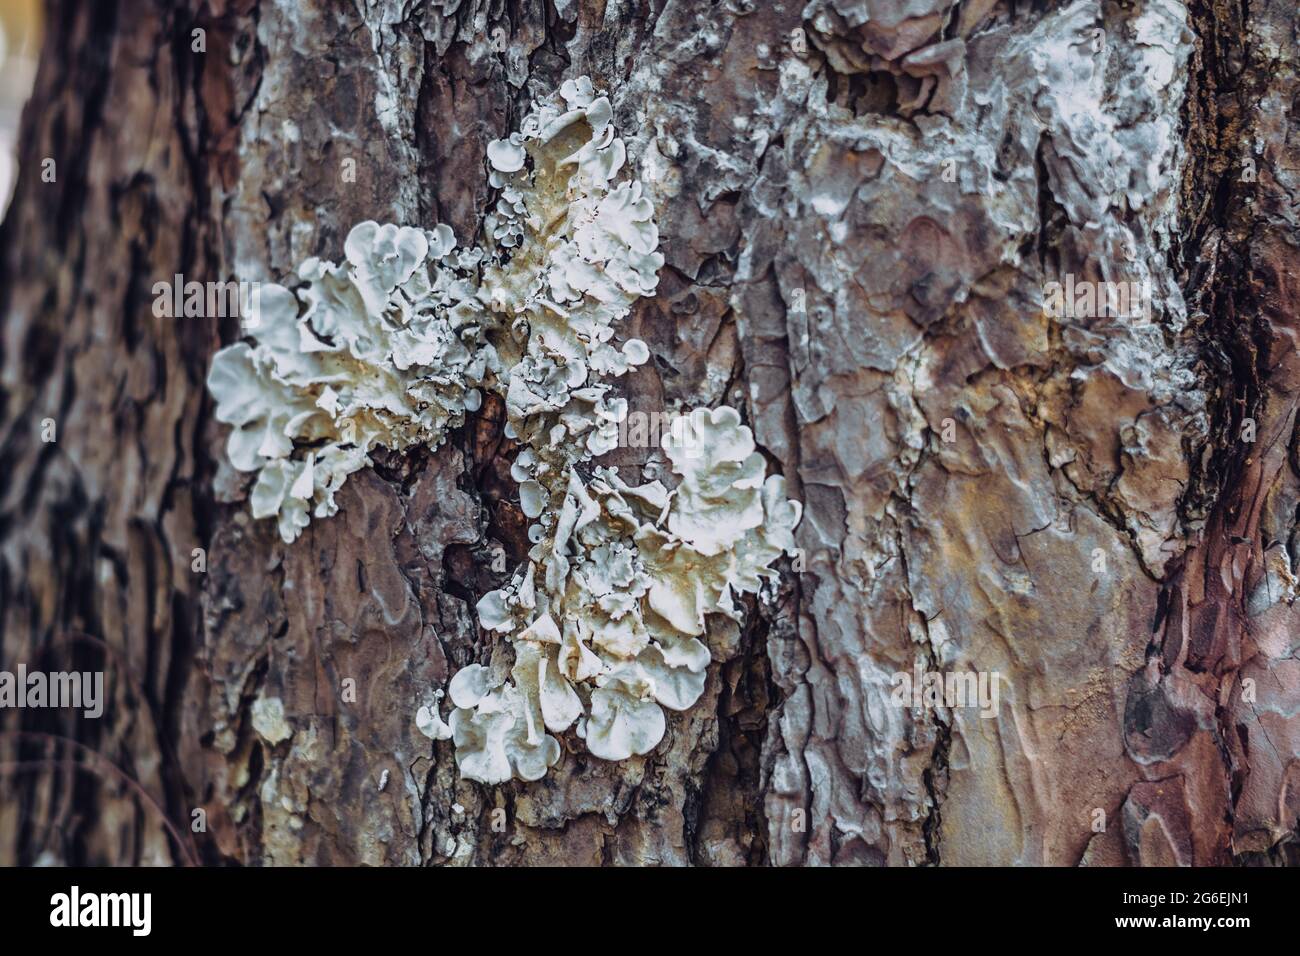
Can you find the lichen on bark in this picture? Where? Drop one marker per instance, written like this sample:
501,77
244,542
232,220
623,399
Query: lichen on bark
859,205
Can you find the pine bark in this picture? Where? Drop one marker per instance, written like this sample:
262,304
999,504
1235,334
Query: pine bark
858,220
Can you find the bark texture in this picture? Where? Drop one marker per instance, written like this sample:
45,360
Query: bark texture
858,222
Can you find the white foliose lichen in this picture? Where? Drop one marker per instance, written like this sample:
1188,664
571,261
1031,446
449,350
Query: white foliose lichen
386,349
392,348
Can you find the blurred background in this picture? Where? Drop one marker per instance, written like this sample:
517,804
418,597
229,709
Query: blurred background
20,35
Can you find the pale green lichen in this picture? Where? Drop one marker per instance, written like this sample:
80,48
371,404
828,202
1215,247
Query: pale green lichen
392,347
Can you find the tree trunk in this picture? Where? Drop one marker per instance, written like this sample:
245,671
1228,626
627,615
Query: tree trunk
862,204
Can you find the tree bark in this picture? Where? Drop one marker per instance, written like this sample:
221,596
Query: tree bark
861,203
